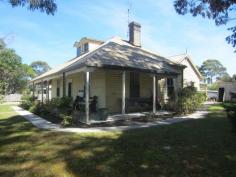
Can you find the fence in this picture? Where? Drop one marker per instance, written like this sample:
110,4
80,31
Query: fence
12,98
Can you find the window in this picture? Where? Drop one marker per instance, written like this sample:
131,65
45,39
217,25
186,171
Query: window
78,51
170,87
86,47
58,88
69,89
134,85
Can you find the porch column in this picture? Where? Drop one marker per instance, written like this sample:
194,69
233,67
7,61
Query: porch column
64,84
33,90
123,92
87,97
48,90
154,94
42,91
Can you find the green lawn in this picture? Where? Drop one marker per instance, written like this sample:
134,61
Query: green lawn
197,148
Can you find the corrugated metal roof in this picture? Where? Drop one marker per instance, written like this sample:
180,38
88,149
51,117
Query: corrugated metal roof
119,54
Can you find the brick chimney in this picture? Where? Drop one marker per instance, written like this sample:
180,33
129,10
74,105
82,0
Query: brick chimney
135,34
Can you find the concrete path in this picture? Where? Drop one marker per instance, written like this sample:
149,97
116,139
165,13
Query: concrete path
44,124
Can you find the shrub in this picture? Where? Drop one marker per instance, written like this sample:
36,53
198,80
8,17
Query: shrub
189,100
35,108
27,100
66,120
231,114
63,102
1,98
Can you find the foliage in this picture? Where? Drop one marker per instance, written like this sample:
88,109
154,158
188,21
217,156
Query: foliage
2,44
234,77
212,69
40,67
55,110
66,120
1,98
226,78
231,113
48,6
221,11
63,102
35,107
13,74
26,100
214,86
189,100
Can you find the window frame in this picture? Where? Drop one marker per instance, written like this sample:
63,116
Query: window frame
170,87
69,89
58,88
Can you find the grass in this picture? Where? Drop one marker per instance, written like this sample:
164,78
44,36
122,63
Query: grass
217,107
197,148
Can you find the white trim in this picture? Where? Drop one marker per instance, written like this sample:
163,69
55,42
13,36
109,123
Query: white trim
87,97
75,71
123,92
154,94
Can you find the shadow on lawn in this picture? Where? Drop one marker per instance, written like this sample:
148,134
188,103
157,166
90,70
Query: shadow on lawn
195,148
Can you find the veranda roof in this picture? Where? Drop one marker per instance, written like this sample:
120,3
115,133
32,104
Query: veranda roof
119,54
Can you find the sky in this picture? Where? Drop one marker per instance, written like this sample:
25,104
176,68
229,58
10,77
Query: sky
37,36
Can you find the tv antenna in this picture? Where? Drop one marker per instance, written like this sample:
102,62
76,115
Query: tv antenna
129,14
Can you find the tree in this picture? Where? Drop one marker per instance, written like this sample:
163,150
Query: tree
48,6
234,77
221,11
211,69
13,74
2,44
40,67
226,78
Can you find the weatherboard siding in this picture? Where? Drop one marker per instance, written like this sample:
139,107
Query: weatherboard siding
114,90
190,75
98,87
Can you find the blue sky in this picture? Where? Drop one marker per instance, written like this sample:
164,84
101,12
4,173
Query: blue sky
37,36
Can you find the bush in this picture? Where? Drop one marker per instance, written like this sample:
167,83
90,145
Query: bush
63,102
231,114
1,98
66,120
35,108
27,100
189,100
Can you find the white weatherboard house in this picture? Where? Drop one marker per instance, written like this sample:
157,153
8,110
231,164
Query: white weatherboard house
192,76
117,75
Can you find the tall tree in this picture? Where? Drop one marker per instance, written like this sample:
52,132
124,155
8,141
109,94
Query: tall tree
211,69
2,44
234,77
13,74
40,67
221,11
48,6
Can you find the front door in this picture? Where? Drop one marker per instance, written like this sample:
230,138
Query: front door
134,85
221,94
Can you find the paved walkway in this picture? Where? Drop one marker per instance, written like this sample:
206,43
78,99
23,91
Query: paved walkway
44,124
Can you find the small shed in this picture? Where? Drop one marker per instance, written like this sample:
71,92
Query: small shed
227,91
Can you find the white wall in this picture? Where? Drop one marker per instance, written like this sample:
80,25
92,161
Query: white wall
229,87
190,75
